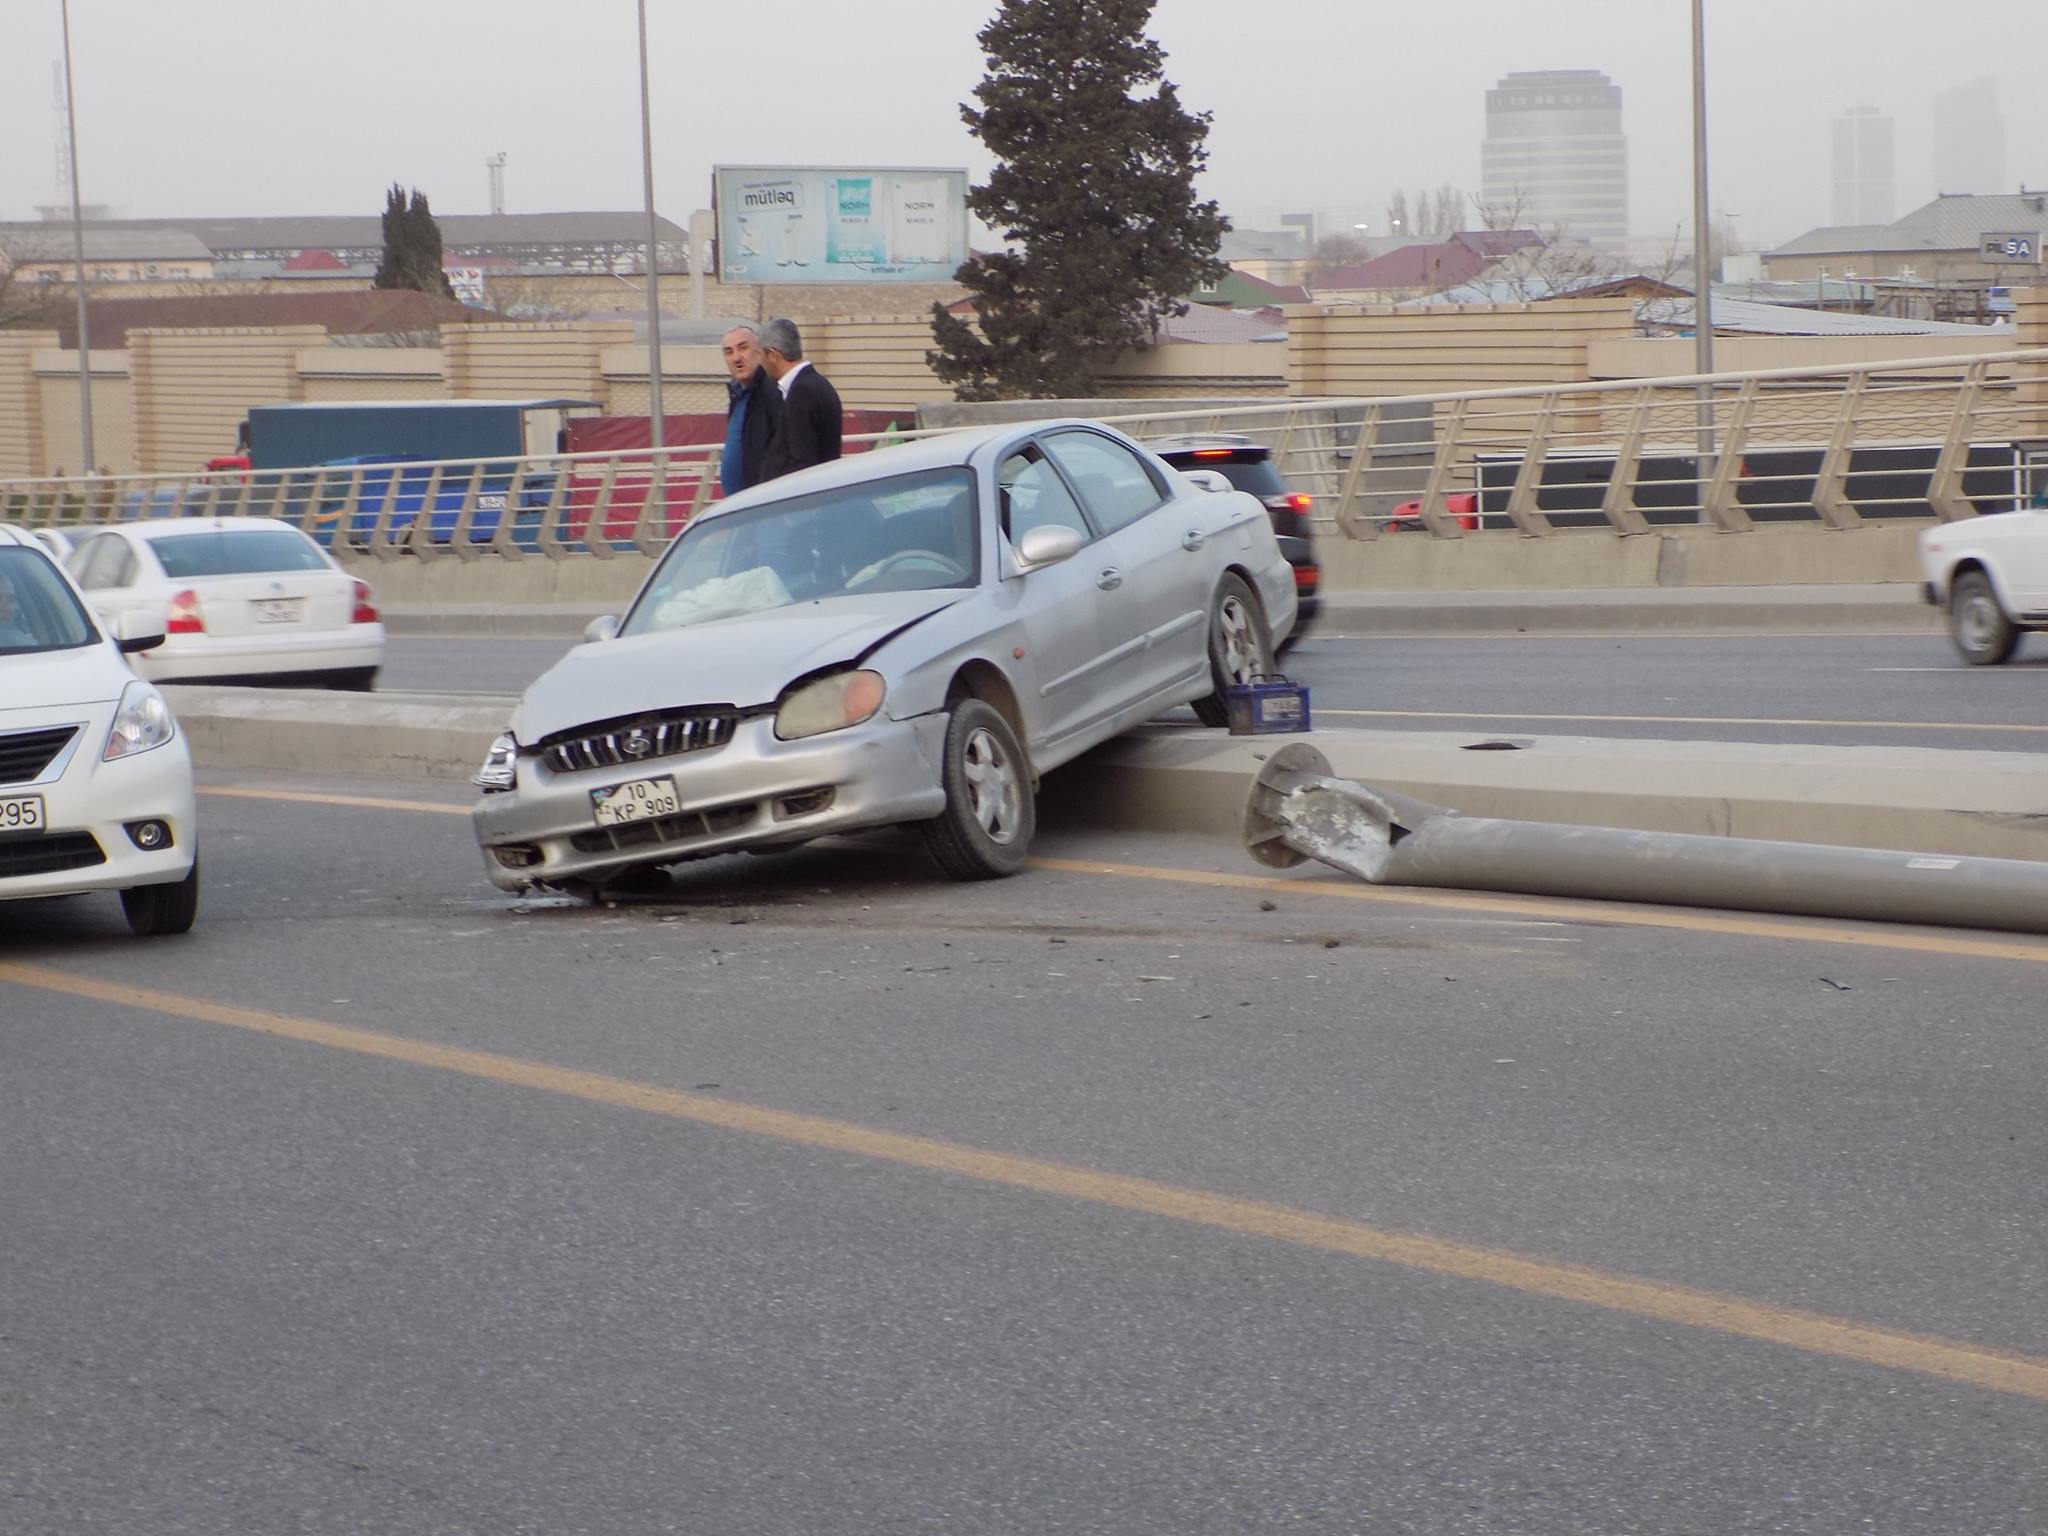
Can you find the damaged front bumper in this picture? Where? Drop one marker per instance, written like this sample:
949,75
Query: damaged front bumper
754,791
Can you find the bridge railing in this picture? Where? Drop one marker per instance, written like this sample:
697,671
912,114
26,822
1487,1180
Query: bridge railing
1943,437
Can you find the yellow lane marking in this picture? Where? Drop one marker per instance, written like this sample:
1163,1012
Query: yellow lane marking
1816,1333
1617,913
308,797
1870,725
1613,913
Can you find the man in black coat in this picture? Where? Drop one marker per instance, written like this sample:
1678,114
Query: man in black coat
752,404
807,428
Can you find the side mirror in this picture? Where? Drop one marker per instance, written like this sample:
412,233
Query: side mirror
1208,479
604,627
1048,545
139,632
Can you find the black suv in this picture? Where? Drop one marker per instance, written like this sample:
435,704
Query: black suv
1249,466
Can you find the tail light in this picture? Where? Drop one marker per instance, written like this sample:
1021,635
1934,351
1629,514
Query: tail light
1300,501
365,605
1306,577
182,618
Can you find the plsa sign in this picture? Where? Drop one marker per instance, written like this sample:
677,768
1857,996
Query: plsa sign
2020,246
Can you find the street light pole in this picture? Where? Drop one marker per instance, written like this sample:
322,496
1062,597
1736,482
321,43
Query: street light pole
1703,282
78,256
654,412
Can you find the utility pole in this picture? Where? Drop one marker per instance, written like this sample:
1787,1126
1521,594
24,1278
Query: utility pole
1702,255
78,255
654,413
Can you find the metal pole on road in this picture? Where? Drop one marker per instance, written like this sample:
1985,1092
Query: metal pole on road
1702,255
654,411
1296,811
78,258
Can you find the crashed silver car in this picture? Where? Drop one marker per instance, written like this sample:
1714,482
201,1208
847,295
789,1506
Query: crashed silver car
913,635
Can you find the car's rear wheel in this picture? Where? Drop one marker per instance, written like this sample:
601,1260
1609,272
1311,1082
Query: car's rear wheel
1240,648
985,831
157,910
1976,623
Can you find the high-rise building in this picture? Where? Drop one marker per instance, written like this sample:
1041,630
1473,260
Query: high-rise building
1555,158
1863,167
1969,139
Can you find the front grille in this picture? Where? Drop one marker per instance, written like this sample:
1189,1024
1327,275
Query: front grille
689,826
25,754
628,743
44,853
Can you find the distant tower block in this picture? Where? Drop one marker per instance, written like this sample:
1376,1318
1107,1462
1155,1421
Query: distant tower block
495,164
1554,158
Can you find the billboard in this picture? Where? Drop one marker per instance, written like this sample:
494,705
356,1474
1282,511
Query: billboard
839,224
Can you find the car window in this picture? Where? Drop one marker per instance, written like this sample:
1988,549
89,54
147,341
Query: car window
93,564
234,552
1115,484
38,611
1253,472
910,533
1034,496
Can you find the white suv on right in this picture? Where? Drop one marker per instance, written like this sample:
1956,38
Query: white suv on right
95,780
1991,573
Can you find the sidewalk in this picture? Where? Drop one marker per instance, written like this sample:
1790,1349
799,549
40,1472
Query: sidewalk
1889,609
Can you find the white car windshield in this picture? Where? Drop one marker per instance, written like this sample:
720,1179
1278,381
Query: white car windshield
235,552
37,610
909,533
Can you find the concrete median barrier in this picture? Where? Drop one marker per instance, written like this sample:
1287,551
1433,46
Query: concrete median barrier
1184,779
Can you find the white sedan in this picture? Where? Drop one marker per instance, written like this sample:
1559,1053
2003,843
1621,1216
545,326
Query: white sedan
1991,573
242,599
95,781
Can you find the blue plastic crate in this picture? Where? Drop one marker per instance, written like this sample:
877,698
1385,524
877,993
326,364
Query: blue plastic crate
1269,705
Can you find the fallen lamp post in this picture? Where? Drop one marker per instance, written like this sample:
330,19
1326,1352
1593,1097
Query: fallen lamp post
1296,811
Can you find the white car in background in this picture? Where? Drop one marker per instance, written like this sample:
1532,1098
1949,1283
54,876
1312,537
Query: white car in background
95,780
1991,573
243,599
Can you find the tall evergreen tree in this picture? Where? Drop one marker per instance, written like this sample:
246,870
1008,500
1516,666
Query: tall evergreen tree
1095,188
412,246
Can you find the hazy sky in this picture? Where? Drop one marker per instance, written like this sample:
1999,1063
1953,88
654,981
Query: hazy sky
287,106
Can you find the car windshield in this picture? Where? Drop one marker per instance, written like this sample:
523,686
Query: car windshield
907,534
235,552
38,611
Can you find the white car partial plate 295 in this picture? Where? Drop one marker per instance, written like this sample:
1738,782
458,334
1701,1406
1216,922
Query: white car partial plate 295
635,800
21,813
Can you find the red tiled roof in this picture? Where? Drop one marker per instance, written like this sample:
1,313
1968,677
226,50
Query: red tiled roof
315,261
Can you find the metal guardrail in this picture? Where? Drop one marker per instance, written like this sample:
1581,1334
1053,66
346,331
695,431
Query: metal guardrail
1942,437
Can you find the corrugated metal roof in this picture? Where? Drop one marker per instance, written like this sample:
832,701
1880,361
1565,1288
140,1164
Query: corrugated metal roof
1749,318
1946,224
103,242
328,231
1208,323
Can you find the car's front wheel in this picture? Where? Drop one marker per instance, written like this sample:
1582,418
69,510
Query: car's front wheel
156,910
1977,624
1240,648
985,831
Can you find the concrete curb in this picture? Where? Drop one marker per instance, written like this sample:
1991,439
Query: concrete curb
1167,778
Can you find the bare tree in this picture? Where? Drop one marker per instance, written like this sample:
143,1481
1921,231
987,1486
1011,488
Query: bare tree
1447,212
1553,262
31,300
1334,252
1399,220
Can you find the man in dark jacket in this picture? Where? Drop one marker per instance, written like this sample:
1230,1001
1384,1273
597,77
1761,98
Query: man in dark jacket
807,428
752,404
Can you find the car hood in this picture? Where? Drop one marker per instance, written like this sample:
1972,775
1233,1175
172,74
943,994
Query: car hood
59,679
746,661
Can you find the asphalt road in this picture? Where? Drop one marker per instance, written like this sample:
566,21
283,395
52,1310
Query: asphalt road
1848,690
1136,1194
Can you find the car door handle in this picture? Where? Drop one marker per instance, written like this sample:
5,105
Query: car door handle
1192,540
1110,579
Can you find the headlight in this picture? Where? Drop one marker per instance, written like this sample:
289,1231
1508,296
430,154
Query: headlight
497,770
829,704
143,721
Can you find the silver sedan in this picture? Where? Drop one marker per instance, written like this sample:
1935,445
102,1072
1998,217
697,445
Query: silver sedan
914,635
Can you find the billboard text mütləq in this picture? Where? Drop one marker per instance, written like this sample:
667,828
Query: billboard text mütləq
840,224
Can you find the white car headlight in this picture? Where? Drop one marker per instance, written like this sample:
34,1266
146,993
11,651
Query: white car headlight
830,704
143,721
499,764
